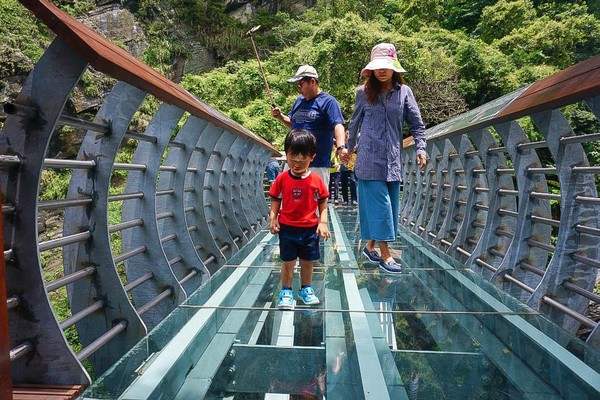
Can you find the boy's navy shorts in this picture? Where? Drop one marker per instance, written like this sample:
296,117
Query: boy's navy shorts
300,243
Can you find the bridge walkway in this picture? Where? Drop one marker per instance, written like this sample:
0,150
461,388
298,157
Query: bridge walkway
437,330
157,263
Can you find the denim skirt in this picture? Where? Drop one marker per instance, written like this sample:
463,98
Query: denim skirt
378,203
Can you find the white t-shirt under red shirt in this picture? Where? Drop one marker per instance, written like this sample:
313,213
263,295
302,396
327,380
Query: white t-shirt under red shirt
300,197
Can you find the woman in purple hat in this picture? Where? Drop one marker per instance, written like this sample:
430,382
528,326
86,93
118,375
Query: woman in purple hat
383,103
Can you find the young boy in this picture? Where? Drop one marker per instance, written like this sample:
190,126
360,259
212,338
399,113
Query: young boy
296,195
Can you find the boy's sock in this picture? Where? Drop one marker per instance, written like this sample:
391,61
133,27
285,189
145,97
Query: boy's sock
303,286
286,288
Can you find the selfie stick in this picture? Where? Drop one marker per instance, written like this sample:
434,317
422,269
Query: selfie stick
251,34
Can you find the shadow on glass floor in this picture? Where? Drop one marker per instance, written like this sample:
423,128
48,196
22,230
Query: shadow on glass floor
436,331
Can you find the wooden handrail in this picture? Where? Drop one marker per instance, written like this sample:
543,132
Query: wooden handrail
568,86
576,83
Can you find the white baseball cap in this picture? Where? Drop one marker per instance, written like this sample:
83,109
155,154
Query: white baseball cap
305,71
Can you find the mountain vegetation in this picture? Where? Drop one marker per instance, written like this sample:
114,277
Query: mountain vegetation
459,54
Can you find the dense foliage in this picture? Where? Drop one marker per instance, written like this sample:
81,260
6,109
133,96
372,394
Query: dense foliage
458,54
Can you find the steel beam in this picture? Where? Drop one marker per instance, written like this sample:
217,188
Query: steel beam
154,259
119,107
34,321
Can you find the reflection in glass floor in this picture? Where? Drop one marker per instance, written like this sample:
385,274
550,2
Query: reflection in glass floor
437,331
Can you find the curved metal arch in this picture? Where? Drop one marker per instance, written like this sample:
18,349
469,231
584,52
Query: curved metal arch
247,193
450,225
440,209
105,285
463,222
185,261
152,260
242,148
421,199
594,104
219,223
254,170
34,322
518,250
563,267
227,181
410,194
430,194
492,220
196,215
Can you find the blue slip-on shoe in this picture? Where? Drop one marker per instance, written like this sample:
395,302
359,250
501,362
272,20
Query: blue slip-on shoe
371,255
391,267
308,296
286,299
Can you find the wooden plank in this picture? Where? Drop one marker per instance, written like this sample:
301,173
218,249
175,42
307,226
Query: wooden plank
26,391
568,86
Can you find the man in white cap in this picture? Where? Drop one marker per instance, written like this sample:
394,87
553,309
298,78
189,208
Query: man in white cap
319,113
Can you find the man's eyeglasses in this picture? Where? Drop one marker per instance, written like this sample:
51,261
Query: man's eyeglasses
301,82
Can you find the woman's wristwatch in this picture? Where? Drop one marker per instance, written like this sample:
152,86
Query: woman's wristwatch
341,147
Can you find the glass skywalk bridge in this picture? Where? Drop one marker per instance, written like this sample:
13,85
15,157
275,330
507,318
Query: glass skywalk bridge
437,331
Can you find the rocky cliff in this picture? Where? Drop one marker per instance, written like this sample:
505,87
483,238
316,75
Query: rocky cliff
119,22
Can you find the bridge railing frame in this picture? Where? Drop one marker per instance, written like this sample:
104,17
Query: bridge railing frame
484,197
193,196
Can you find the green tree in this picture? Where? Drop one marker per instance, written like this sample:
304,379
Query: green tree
339,48
500,19
412,15
464,15
559,39
484,71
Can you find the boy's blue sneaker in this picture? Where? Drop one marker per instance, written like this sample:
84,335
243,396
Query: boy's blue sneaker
308,296
286,299
391,267
371,255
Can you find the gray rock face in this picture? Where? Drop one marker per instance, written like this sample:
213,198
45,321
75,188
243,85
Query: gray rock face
243,10
243,13
199,59
120,26
13,71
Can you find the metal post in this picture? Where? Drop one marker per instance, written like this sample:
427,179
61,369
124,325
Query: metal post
5,373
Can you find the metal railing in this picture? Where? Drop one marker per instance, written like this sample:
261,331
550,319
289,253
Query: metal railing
522,212
192,196
137,238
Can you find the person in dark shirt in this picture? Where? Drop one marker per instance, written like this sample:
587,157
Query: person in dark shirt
272,169
319,113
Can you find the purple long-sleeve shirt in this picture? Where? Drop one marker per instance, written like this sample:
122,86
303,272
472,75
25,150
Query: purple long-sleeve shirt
379,155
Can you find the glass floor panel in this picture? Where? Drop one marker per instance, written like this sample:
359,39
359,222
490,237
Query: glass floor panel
436,331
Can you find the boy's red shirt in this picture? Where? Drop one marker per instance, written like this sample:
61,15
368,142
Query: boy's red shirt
299,197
